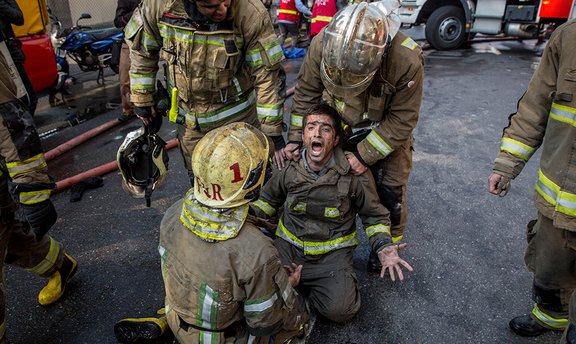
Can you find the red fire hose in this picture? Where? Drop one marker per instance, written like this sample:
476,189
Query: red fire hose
106,168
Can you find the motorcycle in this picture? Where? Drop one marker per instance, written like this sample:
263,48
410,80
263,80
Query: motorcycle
91,50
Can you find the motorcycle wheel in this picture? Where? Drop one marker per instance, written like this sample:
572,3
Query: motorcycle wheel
114,68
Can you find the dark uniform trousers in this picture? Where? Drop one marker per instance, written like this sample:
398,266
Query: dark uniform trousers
551,256
43,258
328,280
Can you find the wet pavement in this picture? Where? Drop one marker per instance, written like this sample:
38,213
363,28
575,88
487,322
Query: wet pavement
466,246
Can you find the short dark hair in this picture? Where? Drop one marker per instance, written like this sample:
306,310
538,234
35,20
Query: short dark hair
323,109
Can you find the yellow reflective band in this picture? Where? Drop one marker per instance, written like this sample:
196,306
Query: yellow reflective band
265,207
296,120
288,11
300,206
322,19
409,43
370,231
548,320
334,212
214,117
49,260
271,112
208,224
33,197
34,163
517,148
315,248
396,239
380,145
563,113
563,202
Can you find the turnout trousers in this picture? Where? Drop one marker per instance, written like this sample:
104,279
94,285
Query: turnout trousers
43,258
328,281
391,175
551,256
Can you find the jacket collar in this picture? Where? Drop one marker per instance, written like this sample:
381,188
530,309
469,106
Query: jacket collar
341,166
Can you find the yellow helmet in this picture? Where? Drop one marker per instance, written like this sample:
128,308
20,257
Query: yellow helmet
229,165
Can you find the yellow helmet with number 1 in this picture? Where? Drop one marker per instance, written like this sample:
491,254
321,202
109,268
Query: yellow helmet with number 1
229,165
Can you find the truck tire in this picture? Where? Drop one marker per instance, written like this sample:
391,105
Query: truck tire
446,28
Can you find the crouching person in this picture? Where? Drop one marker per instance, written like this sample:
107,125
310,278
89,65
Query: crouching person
224,279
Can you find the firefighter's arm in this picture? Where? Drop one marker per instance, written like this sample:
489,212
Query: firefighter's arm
401,115
374,216
526,128
263,56
308,90
29,183
10,12
145,41
272,196
269,297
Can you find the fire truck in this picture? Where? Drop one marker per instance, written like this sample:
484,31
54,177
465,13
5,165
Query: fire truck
451,22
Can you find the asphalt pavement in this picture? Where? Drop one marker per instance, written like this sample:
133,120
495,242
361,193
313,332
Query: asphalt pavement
466,246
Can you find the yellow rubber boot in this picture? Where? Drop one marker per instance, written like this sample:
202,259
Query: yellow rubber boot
133,329
57,283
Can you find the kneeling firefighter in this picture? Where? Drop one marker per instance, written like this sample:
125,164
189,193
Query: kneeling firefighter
236,290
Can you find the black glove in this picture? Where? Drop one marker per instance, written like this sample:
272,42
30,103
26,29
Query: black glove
144,111
38,216
279,142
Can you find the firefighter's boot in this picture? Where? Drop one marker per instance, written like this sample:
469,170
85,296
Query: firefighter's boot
133,329
57,283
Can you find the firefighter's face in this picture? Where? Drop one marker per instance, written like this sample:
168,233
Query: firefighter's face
215,10
319,138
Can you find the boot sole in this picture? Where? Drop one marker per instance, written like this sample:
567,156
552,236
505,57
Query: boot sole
128,331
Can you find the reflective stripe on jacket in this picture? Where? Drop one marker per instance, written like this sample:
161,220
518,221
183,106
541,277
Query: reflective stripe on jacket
212,285
320,215
390,105
288,11
322,13
547,116
221,70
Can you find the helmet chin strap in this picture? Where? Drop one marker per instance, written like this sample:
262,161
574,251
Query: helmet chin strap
388,45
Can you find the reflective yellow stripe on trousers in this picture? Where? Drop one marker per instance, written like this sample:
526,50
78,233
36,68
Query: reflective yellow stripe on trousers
548,320
313,248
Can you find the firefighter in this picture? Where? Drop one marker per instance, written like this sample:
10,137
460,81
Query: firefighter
545,116
224,66
24,184
317,228
288,20
322,13
372,74
224,280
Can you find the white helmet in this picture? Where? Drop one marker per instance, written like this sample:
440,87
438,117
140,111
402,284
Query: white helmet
352,48
143,163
